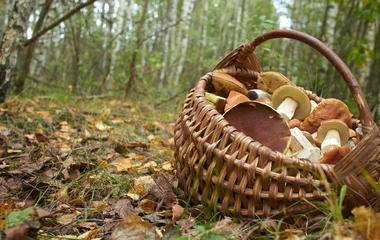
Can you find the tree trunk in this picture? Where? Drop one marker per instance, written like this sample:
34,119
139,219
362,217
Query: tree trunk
373,83
187,10
8,53
169,21
132,67
75,56
29,53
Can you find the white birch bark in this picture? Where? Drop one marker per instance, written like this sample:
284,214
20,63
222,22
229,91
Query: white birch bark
204,33
170,21
118,29
16,28
187,10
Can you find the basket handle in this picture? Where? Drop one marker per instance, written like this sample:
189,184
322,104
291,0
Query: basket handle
339,65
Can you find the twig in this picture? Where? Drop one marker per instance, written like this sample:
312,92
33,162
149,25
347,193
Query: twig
14,156
57,22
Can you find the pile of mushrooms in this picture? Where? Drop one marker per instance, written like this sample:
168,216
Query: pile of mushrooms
281,116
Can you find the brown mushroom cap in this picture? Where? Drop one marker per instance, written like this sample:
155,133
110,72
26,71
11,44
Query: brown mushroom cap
262,123
233,99
294,123
270,81
330,108
334,155
303,109
335,124
224,84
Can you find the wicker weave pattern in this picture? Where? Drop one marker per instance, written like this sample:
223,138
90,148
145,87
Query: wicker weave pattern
228,171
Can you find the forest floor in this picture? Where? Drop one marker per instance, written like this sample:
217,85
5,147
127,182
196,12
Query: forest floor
104,169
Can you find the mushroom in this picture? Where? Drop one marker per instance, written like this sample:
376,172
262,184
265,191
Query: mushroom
216,101
291,102
224,84
332,133
260,96
294,123
270,81
334,155
262,123
308,150
254,94
330,108
313,104
233,99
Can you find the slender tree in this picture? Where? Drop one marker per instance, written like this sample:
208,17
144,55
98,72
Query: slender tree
30,49
8,53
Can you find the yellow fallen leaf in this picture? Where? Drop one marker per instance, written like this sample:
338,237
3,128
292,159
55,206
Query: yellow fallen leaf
366,223
124,166
167,167
101,126
102,163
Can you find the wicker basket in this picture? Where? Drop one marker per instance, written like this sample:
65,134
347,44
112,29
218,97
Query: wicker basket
229,172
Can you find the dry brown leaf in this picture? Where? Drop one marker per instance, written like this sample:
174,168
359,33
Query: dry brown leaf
67,218
124,208
88,225
20,231
148,206
42,213
177,212
367,223
134,228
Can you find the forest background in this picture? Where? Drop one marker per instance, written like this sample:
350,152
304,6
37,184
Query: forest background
90,91
158,49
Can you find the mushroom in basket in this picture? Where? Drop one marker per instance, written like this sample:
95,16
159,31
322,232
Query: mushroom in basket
328,109
225,83
262,123
271,81
291,102
334,135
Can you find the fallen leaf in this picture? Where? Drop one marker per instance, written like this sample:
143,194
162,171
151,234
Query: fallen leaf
177,212
124,208
17,218
134,228
88,225
20,231
148,206
41,137
89,235
67,218
101,126
167,167
366,223
124,166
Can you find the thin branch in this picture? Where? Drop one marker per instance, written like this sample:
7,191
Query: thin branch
57,22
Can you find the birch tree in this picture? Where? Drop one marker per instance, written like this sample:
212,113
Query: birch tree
8,53
30,49
120,21
187,10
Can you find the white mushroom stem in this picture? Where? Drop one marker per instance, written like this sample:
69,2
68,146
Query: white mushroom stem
287,108
332,139
309,151
313,104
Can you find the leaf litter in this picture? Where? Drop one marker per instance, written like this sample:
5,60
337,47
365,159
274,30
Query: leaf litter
79,170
